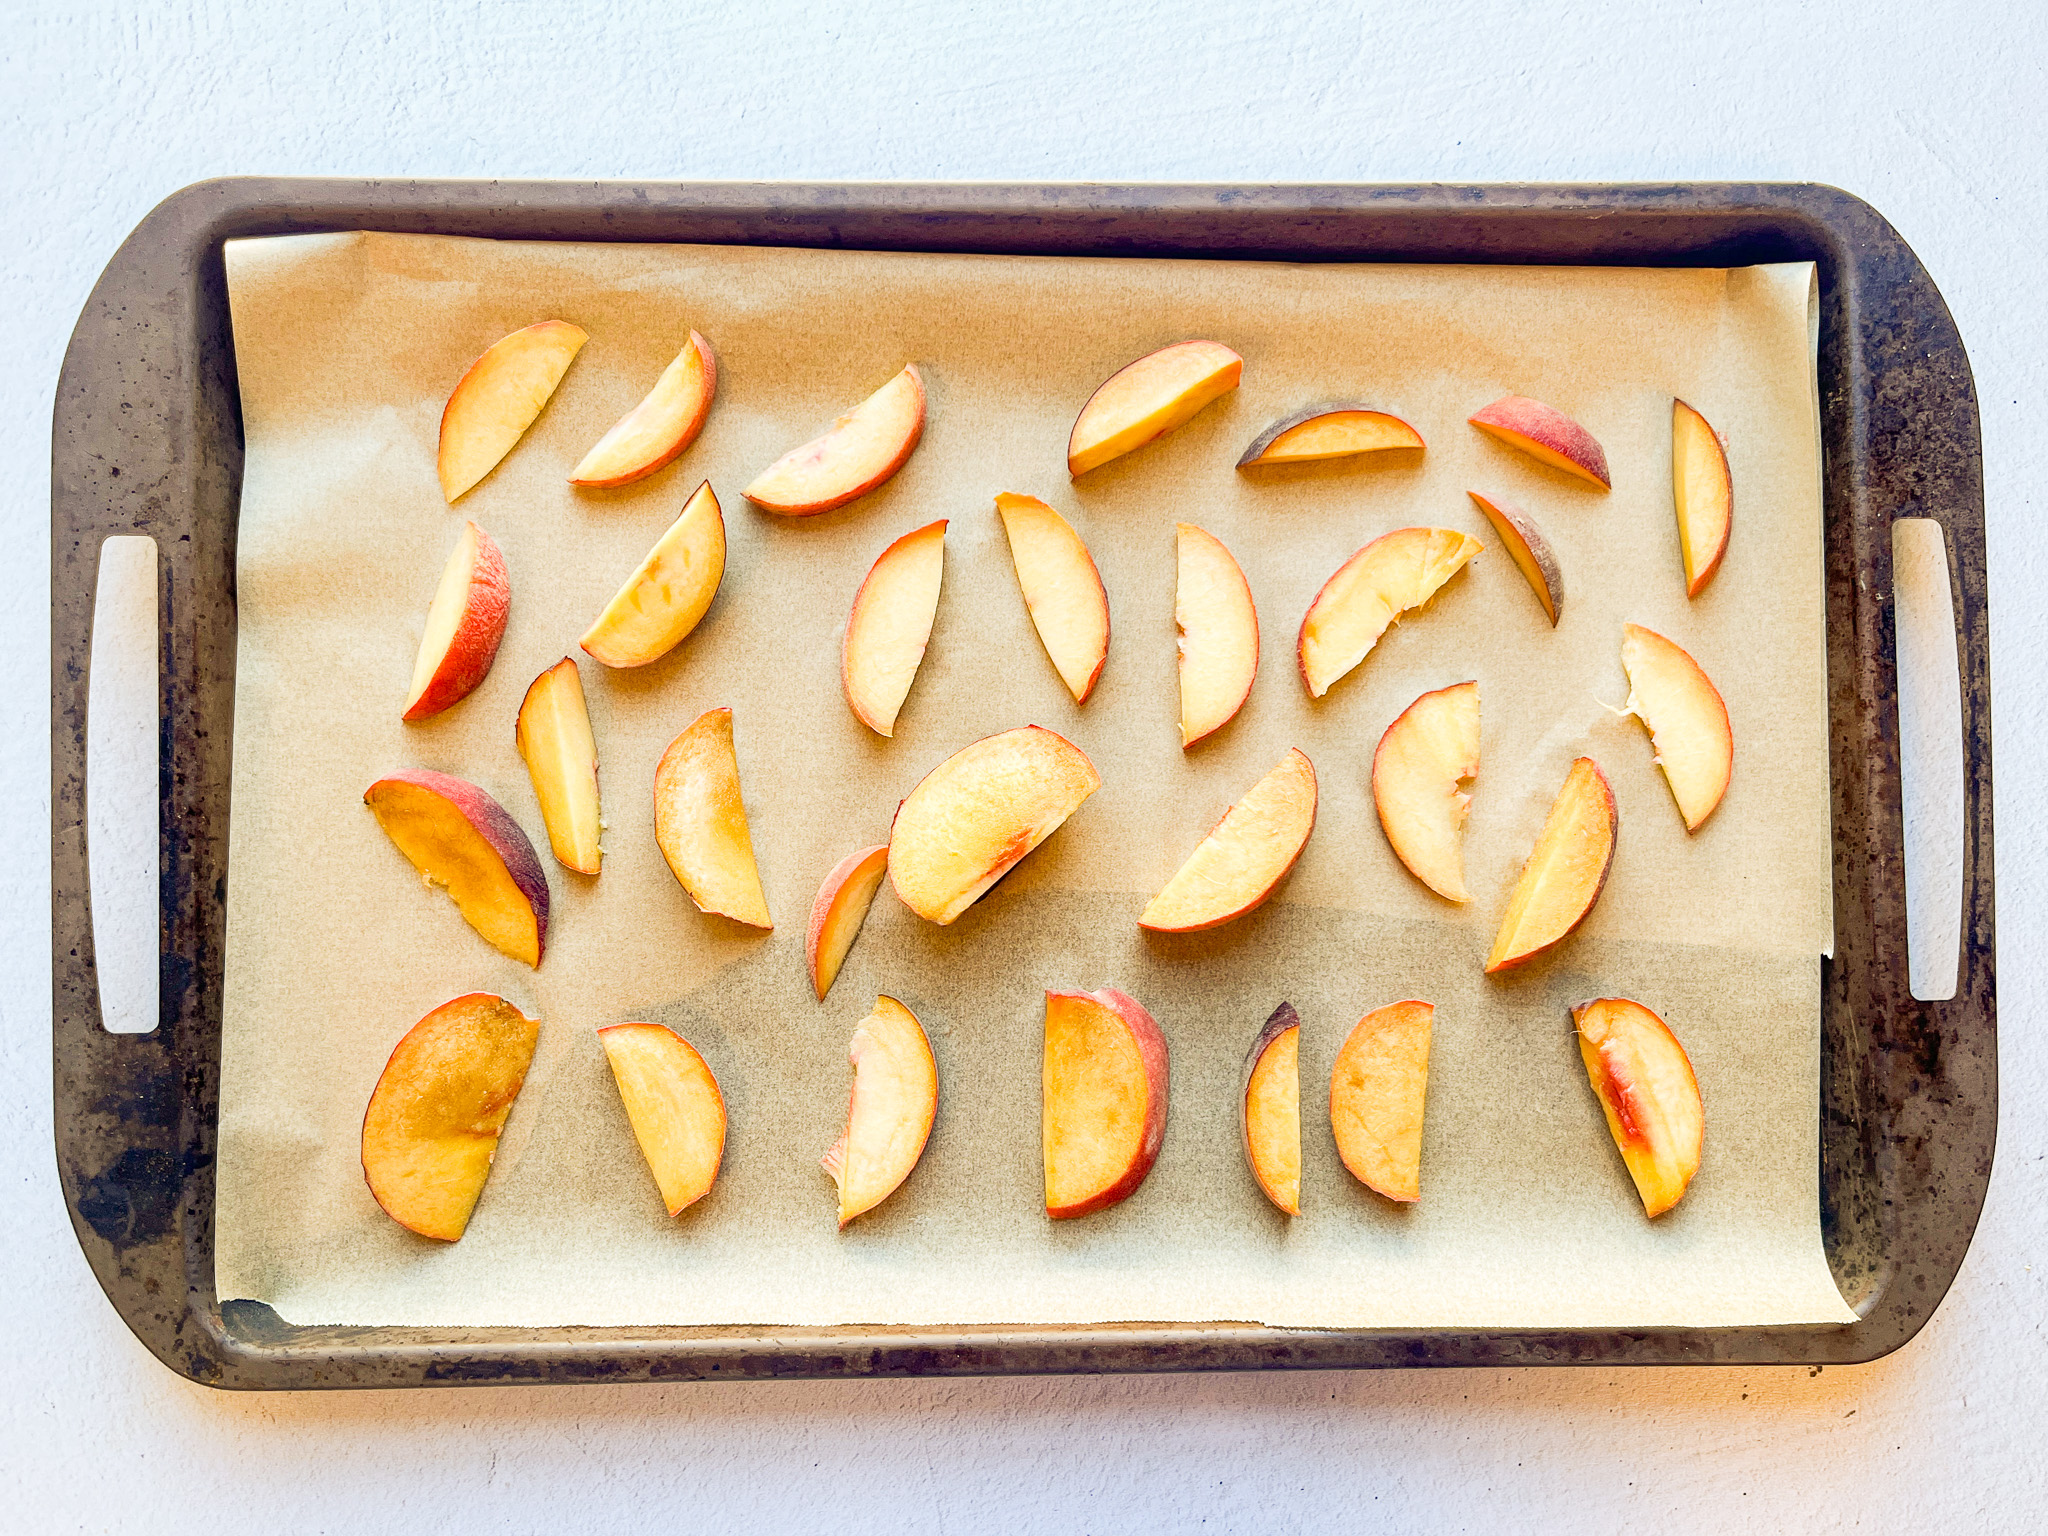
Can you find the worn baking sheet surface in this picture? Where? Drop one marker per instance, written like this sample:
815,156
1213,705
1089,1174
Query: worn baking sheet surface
347,346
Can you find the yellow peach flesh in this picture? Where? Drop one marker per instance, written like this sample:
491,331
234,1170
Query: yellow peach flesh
700,822
1237,865
1379,1088
432,1126
674,1106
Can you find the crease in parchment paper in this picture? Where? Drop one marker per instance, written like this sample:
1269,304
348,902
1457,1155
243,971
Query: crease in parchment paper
347,346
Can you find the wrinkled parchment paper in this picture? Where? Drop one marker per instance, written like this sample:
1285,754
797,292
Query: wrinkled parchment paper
347,347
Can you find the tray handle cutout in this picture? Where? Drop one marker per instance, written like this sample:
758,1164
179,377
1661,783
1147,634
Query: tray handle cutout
123,767
1930,754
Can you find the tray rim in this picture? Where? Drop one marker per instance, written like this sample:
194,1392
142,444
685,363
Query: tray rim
1915,1110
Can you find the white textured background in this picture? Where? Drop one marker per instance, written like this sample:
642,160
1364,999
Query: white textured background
1928,109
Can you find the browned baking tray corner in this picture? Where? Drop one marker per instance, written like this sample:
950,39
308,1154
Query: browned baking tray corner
147,440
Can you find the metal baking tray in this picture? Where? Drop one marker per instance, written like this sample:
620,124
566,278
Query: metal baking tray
147,440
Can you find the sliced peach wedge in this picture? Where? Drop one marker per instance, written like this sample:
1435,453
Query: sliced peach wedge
1702,493
432,1126
674,1106
1530,551
1647,1090
465,623
660,427
860,451
1378,1089
1329,432
1062,589
1271,1106
555,740
700,822
1148,399
1219,633
1395,572
971,819
890,1112
1566,871
669,592
1104,1086
1253,847
840,911
461,839
494,403
1547,435
1686,718
1431,748
890,625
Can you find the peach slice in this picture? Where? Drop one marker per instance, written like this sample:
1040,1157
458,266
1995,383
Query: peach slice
890,624
1062,589
1430,749
649,436
494,403
554,738
1566,871
669,592
889,1114
1378,1089
1530,551
1648,1092
674,1106
1687,720
1237,866
1395,572
1271,1104
700,822
1702,493
971,819
1547,435
862,449
1148,399
461,839
840,910
464,625
1219,633
433,1121
1329,432
1105,1100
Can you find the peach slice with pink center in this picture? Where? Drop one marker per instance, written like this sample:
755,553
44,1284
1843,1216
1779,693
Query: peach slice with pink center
1647,1090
